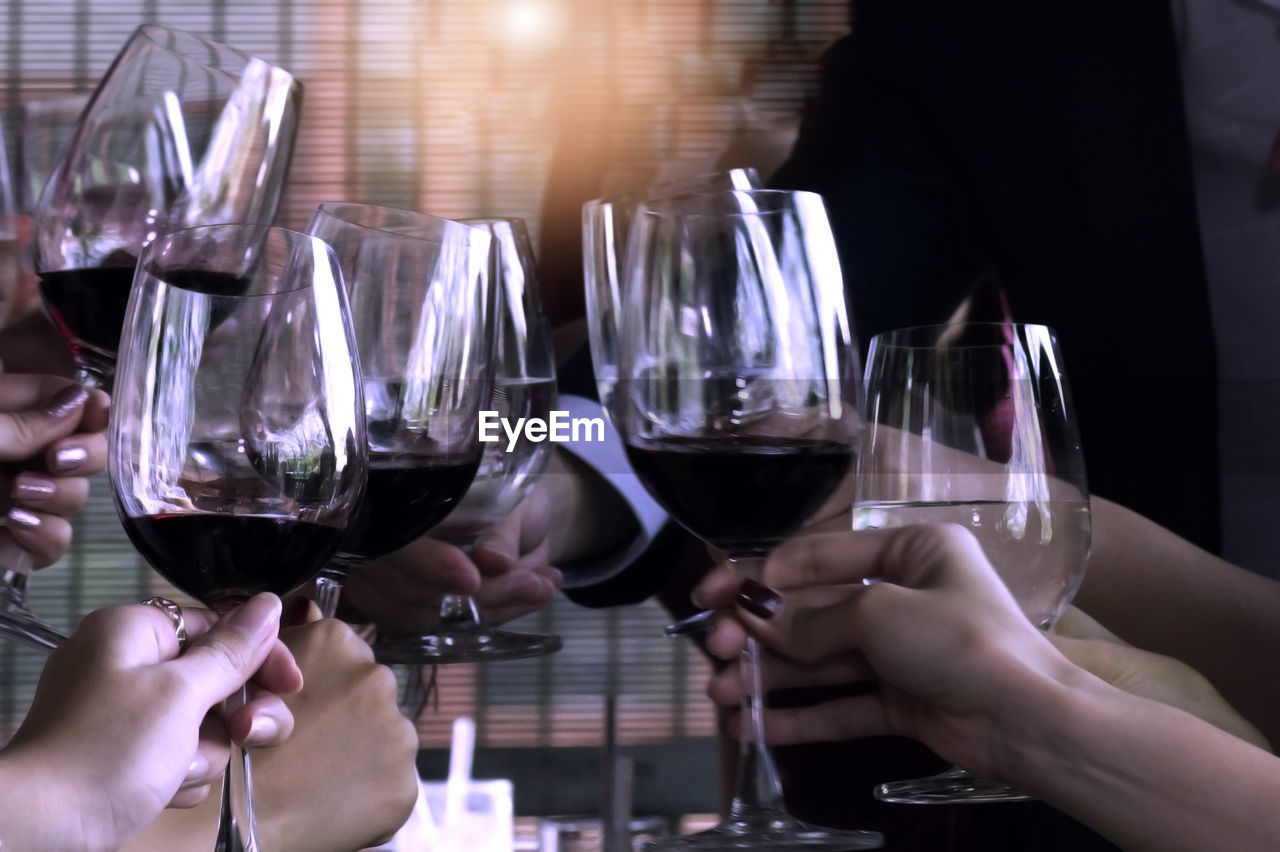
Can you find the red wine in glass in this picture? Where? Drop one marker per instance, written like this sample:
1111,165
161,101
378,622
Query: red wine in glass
218,557
405,497
746,494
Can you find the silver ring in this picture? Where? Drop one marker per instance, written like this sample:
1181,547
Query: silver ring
174,612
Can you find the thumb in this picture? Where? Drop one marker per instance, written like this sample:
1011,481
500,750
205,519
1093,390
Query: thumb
225,658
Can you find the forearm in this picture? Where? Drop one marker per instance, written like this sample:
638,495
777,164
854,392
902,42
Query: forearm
1146,775
1161,593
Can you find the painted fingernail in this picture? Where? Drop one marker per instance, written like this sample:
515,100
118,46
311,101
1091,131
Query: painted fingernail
66,400
33,489
197,770
262,730
22,519
69,459
757,599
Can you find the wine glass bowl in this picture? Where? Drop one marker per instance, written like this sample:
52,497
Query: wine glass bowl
606,225
423,311
181,131
973,424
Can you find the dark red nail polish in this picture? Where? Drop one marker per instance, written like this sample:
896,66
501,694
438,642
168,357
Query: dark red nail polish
758,599
296,611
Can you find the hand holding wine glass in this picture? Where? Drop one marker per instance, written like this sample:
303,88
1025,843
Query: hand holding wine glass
116,731
237,441
737,403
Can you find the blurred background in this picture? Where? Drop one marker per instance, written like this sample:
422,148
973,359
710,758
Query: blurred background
474,108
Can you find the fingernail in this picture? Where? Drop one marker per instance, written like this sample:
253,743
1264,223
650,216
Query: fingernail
296,611
262,730
696,599
68,459
757,599
198,768
33,489
22,519
258,617
66,400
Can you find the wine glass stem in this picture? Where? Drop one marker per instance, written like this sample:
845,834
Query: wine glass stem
326,589
236,829
458,613
757,791
90,378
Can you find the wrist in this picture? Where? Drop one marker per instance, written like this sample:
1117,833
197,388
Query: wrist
1038,719
40,809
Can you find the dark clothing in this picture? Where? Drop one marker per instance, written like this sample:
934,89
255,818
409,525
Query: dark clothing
1047,140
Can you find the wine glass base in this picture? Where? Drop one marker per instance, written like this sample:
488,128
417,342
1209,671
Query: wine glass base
19,624
955,786
465,646
781,833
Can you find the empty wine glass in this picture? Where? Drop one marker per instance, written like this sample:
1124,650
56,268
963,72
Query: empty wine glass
606,224
524,388
237,440
181,131
737,401
423,309
972,424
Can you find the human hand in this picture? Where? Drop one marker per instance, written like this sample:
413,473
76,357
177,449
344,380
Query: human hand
946,684
507,572
1091,646
120,724
51,440
346,779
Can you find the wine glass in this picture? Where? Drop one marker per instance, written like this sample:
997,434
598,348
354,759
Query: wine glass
606,223
524,387
972,424
737,404
181,131
422,306
237,439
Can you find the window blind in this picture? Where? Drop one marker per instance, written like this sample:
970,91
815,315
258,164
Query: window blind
457,109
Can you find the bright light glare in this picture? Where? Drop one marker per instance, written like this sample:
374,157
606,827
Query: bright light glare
533,23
